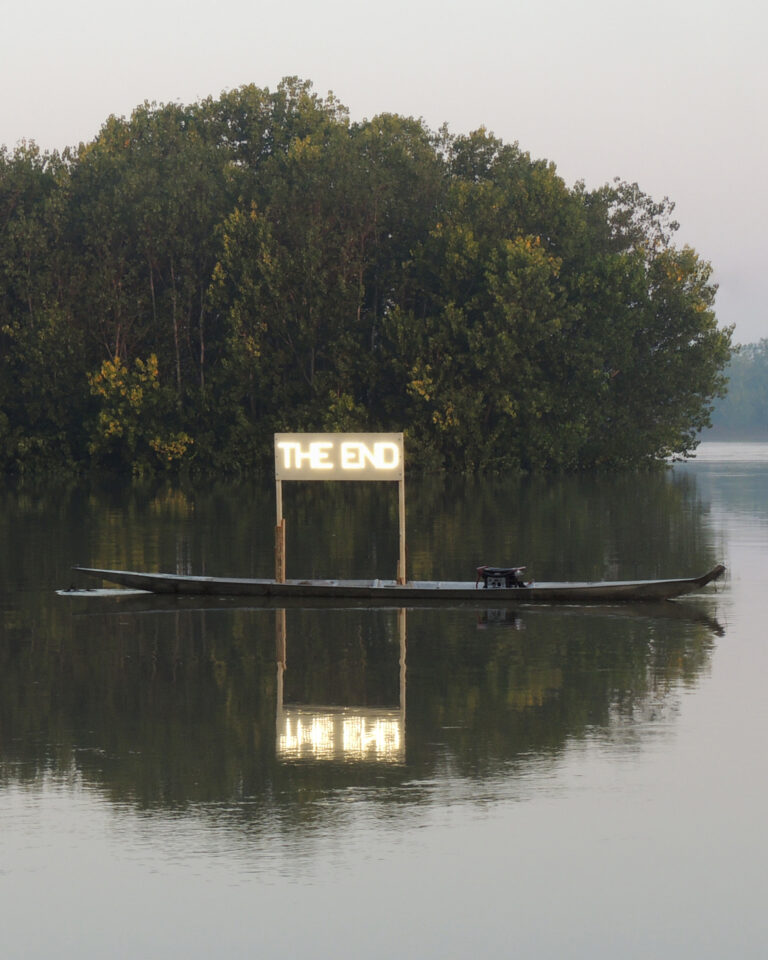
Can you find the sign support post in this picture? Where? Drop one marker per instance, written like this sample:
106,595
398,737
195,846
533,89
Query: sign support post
279,534
401,576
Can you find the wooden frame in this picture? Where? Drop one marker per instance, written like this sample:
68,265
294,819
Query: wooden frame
338,456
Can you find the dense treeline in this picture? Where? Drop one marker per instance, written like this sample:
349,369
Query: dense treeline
198,277
743,413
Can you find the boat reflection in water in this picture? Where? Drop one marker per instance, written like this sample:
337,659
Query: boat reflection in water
339,733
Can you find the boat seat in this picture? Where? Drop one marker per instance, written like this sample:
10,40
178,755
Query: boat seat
495,577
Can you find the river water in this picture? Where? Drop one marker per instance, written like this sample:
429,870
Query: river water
215,780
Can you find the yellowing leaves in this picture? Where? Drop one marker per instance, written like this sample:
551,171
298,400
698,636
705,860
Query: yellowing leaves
115,379
173,447
130,422
445,419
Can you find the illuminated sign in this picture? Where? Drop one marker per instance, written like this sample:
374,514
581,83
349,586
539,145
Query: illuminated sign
339,456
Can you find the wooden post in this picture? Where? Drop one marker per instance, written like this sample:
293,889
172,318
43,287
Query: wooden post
401,571
279,534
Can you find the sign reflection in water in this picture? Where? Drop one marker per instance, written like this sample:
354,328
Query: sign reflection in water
339,733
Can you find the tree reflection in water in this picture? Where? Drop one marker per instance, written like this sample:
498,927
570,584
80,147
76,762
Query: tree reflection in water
174,705
179,708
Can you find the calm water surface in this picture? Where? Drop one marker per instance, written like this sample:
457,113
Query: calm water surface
200,780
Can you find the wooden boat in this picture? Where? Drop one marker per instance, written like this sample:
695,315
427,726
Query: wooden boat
414,591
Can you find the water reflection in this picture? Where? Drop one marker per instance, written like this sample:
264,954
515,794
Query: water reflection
339,733
182,707
687,611
171,705
581,758
354,734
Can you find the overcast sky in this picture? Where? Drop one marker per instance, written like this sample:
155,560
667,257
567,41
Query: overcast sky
670,94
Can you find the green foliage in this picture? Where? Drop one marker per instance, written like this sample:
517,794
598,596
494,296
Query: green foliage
200,276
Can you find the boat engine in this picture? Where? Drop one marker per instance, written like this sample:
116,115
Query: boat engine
500,577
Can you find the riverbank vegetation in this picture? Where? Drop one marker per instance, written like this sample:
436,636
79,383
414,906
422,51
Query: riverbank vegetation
743,413
200,276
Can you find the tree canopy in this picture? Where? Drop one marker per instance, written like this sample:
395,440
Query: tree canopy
200,276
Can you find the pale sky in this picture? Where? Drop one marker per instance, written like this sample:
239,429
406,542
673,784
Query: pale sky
670,94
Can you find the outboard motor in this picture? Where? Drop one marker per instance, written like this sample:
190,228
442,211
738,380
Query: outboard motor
500,577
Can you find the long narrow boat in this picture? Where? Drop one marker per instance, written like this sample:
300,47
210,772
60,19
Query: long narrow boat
609,591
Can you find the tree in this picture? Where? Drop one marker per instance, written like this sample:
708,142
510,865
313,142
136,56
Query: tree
131,432
147,197
287,268
309,274
42,361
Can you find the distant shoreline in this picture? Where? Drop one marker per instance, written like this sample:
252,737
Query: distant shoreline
748,436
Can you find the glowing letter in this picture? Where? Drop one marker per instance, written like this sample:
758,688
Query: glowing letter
350,456
318,452
387,455
286,446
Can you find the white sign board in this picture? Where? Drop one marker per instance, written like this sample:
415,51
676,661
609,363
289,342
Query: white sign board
339,456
